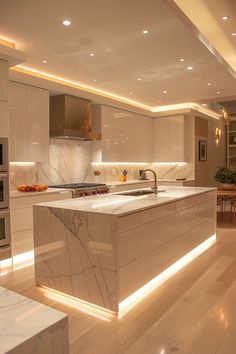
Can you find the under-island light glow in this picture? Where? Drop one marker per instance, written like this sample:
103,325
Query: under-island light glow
81,305
138,295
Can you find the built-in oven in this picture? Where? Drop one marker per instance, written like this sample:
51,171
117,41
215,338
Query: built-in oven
5,237
4,191
3,154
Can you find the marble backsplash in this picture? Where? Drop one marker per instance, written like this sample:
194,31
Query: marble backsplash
70,161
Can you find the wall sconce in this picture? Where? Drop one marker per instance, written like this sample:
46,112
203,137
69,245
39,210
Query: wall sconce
224,116
217,135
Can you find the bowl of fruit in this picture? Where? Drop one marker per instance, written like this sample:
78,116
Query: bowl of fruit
32,188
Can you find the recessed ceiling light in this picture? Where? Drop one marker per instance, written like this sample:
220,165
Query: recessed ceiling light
91,54
164,91
234,34
225,18
139,79
94,80
145,31
131,93
209,84
218,92
44,61
182,59
189,68
66,22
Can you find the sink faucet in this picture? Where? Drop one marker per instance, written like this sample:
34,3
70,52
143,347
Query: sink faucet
154,188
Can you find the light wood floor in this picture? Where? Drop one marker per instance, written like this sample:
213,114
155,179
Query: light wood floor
194,312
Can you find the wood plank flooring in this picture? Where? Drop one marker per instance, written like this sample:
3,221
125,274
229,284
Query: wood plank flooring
194,312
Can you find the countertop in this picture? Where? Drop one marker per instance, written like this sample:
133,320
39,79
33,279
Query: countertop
22,320
118,204
17,194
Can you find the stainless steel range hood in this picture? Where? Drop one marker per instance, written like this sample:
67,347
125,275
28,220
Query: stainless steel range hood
71,118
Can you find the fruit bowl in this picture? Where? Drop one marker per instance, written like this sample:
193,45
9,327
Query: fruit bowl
32,188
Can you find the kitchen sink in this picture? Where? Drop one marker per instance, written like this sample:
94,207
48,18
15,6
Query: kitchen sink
139,192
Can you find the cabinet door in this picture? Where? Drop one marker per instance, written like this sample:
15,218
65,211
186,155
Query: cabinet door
18,122
38,124
161,140
176,139
126,136
3,80
4,119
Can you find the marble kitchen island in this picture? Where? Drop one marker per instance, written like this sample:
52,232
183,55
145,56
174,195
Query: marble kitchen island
106,250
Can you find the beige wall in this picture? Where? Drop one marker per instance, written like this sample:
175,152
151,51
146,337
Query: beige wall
216,156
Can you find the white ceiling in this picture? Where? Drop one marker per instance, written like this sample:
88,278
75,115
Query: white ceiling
113,31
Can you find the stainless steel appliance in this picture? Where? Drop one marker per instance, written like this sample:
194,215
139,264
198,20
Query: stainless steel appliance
84,189
71,118
3,155
5,236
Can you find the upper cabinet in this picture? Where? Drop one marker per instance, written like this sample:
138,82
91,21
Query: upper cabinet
29,123
173,139
3,80
126,136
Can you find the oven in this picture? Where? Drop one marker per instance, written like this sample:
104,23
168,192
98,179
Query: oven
3,155
4,191
5,237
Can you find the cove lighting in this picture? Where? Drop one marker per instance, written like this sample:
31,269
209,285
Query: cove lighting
81,305
189,105
60,80
12,163
169,163
137,296
118,163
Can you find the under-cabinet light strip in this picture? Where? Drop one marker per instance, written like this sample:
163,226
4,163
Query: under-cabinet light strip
138,295
119,163
12,163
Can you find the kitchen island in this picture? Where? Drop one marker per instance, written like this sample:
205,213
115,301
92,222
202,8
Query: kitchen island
108,249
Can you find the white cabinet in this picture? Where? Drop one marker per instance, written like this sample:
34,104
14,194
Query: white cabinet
22,238
29,123
126,136
173,139
3,80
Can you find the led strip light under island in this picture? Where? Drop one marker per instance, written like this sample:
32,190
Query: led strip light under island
111,255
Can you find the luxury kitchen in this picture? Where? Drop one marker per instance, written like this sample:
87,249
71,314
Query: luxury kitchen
117,177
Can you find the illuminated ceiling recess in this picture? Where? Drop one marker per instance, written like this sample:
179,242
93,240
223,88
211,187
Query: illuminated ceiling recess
150,55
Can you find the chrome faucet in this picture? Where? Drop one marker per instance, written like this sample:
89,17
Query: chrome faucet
154,188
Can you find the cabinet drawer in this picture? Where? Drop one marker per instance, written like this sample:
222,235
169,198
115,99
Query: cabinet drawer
22,241
133,220
21,219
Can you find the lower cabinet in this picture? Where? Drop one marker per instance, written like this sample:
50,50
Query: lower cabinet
21,208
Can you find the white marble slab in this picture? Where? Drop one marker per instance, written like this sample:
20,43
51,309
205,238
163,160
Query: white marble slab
118,204
28,327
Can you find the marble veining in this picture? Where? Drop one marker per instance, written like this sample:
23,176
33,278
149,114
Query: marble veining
27,326
88,270
70,161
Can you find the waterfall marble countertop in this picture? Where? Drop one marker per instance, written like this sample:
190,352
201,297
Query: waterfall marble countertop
26,326
118,204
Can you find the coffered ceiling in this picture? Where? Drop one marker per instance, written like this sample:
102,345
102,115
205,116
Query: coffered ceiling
143,68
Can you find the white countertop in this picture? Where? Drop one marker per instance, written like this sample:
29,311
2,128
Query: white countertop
118,204
21,319
17,194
